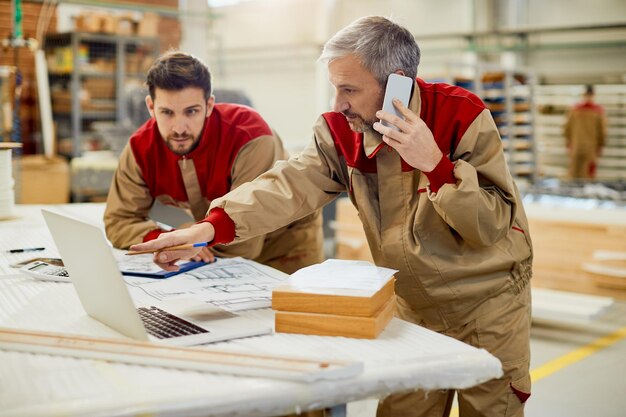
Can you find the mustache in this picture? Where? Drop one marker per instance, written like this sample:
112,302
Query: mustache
350,114
176,136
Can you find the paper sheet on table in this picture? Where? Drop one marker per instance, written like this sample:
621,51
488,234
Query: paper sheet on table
338,273
233,284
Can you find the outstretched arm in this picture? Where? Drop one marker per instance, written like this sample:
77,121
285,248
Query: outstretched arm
288,192
166,259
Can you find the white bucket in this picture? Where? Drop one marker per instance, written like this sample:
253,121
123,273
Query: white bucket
7,197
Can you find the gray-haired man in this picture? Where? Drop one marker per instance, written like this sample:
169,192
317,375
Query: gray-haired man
436,200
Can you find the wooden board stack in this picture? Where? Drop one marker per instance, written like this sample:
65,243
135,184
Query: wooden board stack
359,313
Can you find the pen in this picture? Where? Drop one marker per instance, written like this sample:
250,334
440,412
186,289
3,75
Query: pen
177,247
25,250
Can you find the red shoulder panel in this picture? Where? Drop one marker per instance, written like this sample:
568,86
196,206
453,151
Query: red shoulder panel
447,110
225,132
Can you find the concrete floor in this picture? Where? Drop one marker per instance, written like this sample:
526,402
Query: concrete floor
577,371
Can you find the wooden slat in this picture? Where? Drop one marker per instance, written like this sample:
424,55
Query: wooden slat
561,248
567,307
341,301
334,324
161,355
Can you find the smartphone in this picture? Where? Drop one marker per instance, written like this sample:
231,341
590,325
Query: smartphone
398,86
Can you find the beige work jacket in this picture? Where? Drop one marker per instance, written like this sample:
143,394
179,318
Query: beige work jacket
130,199
460,251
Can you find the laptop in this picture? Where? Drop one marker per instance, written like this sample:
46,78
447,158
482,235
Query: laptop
103,293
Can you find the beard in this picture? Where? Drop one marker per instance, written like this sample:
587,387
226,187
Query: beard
358,123
182,144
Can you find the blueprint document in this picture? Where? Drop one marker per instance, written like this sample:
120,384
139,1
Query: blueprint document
234,284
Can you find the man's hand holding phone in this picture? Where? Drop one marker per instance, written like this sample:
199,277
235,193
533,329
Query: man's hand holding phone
404,130
398,87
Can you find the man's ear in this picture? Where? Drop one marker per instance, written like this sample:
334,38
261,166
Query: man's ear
399,72
210,103
150,105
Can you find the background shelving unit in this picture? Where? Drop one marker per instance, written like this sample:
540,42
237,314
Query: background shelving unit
509,95
90,75
552,105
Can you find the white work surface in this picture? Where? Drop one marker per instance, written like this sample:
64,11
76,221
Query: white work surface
404,356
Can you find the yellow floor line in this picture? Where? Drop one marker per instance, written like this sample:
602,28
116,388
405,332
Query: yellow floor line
577,355
569,359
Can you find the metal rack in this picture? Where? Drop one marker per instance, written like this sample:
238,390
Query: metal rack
509,96
89,74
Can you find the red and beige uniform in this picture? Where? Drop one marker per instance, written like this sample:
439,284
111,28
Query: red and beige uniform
458,235
585,135
236,146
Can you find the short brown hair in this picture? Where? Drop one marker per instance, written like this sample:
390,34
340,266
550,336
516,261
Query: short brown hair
175,70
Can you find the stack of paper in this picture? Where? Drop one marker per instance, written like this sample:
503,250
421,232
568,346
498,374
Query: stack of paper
336,298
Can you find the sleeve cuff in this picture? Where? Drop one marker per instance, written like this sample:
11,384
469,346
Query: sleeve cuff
442,174
152,234
223,225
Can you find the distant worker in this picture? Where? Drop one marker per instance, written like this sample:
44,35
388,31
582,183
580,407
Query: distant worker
192,151
585,135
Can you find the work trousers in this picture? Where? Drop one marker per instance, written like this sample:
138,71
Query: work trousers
505,333
581,165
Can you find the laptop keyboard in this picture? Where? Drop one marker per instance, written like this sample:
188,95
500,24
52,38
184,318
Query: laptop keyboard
164,325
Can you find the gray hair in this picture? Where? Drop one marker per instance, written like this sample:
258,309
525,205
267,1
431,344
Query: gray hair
382,46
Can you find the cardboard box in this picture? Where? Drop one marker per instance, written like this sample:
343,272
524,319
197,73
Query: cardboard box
88,22
99,88
108,23
96,22
42,180
148,26
61,101
126,25
132,63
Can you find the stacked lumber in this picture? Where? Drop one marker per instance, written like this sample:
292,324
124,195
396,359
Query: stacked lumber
329,299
